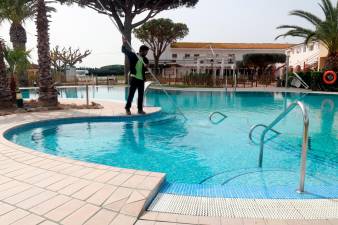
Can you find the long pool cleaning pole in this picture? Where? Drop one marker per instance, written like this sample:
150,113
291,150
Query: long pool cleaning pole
151,73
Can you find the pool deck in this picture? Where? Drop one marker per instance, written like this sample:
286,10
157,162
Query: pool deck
38,188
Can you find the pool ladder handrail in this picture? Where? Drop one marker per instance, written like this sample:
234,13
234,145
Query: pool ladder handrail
295,75
305,139
219,113
260,125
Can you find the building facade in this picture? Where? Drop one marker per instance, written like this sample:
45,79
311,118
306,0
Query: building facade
304,56
183,58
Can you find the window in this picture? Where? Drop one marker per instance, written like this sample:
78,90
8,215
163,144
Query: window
174,56
304,49
187,56
196,55
231,58
311,47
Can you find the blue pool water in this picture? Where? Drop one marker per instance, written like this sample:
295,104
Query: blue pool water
197,151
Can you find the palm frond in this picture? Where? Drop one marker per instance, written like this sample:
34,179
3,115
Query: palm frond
315,20
294,27
325,30
20,10
295,31
328,9
310,38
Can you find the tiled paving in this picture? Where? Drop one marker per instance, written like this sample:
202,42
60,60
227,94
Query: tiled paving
36,188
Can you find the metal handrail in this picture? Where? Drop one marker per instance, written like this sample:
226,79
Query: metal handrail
219,113
301,80
260,125
304,144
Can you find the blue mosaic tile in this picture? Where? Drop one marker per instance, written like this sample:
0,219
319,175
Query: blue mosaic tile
278,192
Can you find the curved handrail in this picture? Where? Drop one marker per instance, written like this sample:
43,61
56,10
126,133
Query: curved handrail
260,125
305,139
219,113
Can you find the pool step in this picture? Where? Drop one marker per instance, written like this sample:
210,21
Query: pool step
245,208
161,119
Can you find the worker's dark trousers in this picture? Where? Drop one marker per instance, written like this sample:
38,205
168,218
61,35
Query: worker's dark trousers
139,85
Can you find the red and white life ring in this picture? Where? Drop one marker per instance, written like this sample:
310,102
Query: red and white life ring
330,77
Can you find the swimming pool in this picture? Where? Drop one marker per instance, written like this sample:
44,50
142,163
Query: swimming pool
196,151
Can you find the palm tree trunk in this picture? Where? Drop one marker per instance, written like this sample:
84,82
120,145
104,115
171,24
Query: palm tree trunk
18,37
5,93
47,92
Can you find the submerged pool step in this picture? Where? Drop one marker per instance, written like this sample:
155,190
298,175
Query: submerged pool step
163,118
328,191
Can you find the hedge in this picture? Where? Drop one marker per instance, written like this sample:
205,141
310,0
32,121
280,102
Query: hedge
315,81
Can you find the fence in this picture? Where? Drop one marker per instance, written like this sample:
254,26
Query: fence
60,79
244,78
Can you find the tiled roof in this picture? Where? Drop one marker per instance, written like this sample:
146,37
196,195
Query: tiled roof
34,66
231,45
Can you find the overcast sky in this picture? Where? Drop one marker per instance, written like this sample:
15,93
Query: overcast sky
210,21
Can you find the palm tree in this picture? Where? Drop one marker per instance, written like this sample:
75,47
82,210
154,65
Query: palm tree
47,92
325,31
16,12
5,92
17,60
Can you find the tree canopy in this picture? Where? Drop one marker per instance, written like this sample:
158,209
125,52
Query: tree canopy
129,9
106,70
63,57
124,13
263,60
158,34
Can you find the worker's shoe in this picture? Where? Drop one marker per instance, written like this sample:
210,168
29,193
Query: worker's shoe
141,112
128,112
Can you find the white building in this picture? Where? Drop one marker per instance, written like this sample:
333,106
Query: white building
182,58
307,56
